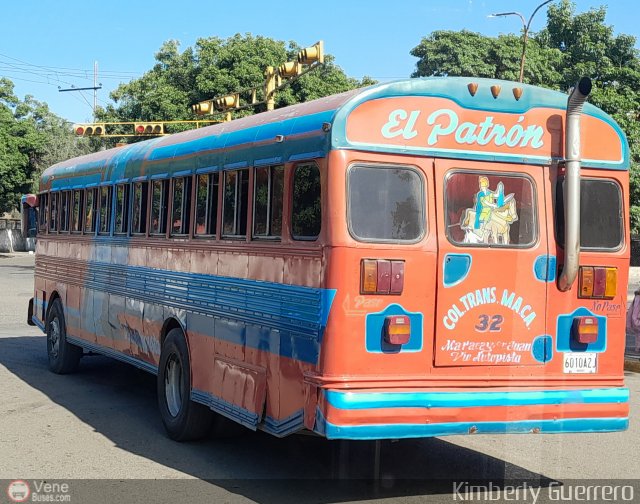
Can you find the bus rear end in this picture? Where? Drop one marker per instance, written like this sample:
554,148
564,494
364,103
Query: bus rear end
458,309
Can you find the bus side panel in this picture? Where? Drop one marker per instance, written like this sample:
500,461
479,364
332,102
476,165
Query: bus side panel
240,364
353,345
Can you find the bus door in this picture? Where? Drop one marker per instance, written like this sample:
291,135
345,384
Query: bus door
492,264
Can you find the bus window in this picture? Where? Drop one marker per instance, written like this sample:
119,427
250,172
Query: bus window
122,209
306,214
181,206
490,209
386,203
159,197
601,216
105,209
267,202
207,205
76,219
53,219
90,211
236,188
65,210
43,212
140,190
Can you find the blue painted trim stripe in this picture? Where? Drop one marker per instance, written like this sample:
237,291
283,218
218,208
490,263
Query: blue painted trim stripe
236,165
110,352
38,323
284,427
279,428
399,431
231,411
268,161
207,169
375,400
307,156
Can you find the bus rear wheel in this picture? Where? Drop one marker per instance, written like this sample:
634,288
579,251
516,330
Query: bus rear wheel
63,356
183,419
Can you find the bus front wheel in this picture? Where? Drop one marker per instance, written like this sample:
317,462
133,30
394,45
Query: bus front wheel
183,419
63,356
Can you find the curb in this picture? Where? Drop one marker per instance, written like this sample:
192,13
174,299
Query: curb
632,365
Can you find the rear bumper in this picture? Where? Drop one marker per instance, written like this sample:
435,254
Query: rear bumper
359,414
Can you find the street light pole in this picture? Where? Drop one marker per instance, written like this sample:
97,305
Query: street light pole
525,26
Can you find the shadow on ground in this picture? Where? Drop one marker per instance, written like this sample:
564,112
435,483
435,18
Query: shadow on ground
118,401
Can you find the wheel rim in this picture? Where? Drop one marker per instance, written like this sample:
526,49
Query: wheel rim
173,385
54,337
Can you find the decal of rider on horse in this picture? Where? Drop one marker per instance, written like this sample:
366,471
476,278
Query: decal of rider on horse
491,218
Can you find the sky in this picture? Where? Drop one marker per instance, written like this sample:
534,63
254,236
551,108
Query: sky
48,44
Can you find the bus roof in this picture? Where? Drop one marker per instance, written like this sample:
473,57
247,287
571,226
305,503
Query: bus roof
454,117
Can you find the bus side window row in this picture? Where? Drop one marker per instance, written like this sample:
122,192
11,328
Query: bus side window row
146,203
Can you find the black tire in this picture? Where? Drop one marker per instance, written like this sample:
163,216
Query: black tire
183,419
63,356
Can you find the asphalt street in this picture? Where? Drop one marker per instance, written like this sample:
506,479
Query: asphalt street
100,430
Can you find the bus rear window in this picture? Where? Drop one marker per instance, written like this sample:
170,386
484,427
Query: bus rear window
386,203
601,219
490,209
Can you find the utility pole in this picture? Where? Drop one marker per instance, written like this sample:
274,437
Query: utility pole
95,88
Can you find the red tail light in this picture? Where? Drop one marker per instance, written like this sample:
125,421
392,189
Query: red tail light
397,329
381,276
598,282
585,329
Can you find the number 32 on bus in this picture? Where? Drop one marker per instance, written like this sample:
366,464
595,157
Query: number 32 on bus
418,258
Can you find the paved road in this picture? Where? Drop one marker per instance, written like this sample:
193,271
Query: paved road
103,423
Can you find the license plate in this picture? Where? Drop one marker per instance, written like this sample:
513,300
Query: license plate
580,362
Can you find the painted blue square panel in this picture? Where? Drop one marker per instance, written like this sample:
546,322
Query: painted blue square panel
374,324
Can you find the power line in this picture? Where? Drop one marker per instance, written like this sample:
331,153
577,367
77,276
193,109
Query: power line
73,71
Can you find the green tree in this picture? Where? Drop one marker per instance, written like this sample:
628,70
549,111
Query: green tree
570,46
473,54
31,139
215,67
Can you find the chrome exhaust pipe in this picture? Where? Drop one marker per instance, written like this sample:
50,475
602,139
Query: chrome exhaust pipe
572,184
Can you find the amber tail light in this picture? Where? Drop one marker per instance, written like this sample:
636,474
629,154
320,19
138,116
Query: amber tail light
397,329
598,282
381,276
585,329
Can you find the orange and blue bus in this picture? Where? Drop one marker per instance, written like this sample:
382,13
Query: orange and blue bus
418,258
